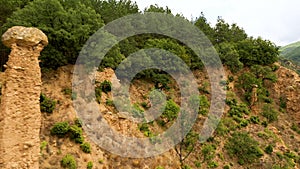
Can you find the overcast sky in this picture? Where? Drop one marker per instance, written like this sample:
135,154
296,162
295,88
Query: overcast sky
275,20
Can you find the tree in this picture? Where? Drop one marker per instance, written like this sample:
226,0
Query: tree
257,52
264,73
229,56
112,9
156,8
67,27
205,27
228,33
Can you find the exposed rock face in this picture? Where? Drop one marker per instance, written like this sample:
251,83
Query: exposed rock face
20,116
288,88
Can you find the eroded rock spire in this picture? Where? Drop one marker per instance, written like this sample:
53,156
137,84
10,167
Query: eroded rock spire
20,116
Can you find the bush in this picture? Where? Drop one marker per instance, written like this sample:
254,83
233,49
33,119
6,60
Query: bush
238,110
69,92
47,105
269,149
282,102
68,162
295,128
85,147
76,134
204,105
159,167
98,94
171,110
208,151
213,164
254,119
89,165
226,167
60,129
269,113
106,86
243,147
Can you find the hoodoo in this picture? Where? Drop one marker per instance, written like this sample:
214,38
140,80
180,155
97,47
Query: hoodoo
20,116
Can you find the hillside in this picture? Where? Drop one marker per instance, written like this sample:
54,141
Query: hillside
281,135
290,56
55,113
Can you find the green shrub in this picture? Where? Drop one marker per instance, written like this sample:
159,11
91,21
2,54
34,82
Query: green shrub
198,164
109,102
244,123
269,113
264,123
144,105
85,147
69,92
60,129
159,167
243,147
208,151
101,161
230,78
43,145
137,111
47,105
186,167
212,164
269,149
254,119
68,162
226,167
106,86
89,165
203,105
171,111
238,110
76,134
282,102
98,93
222,128
295,128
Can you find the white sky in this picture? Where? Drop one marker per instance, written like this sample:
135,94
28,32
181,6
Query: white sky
275,20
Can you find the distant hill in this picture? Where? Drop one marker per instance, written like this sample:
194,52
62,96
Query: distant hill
290,56
291,52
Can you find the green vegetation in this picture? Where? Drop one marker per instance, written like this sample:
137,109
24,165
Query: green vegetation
269,113
291,52
204,105
295,128
68,162
171,111
76,134
159,167
269,149
69,23
243,147
68,91
60,129
43,145
106,86
85,147
89,165
47,105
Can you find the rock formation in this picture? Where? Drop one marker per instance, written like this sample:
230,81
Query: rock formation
20,116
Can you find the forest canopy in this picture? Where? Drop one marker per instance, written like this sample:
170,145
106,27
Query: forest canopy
69,23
